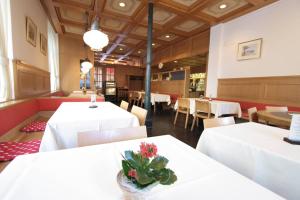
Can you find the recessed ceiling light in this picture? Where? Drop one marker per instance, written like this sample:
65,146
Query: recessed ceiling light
121,49
139,52
153,44
175,61
167,36
223,6
122,4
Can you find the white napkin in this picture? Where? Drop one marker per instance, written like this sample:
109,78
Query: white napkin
295,128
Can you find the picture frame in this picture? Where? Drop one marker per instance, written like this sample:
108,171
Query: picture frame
31,31
249,50
43,44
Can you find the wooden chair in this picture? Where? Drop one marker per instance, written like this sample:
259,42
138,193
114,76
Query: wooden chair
215,122
252,114
124,105
183,107
142,100
202,110
276,109
141,114
108,136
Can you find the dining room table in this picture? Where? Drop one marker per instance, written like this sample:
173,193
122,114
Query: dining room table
73,117
258,152
282,119
218,108
91,173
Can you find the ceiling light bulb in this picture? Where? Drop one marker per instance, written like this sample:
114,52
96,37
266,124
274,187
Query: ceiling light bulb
167,36
153,44
175,61
121,49
139,52
122,4
223,6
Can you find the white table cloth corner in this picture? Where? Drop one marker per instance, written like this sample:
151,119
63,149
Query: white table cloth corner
258,152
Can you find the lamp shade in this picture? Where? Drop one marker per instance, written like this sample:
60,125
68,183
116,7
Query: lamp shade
85,70
87,64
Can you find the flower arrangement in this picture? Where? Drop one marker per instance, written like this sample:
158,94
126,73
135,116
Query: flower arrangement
146,167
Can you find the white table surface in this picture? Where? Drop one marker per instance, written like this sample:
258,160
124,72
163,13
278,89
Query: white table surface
157,97
258,152
218,108
73,117
90,173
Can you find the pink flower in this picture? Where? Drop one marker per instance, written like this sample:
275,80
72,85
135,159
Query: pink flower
148,150
132,173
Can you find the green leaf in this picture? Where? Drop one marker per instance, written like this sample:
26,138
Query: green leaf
167,177
143,178
126,167
159,163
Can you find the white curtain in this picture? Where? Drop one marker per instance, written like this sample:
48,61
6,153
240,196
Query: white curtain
5,39
53,57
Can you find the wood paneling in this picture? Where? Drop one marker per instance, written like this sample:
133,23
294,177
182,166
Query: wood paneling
282,90
196,45
30,81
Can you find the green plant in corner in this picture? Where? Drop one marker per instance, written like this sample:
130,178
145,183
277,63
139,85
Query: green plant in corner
145,167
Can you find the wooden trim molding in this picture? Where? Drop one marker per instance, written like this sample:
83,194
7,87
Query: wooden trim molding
281,90
30,81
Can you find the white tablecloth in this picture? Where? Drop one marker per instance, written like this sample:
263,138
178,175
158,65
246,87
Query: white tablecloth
258,152
90,173
73,117
218,108
156,97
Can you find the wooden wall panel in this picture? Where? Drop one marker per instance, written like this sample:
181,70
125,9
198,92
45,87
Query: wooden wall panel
168,87
283,90
30,81
198,44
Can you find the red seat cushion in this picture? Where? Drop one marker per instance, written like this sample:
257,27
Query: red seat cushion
34,127
9,150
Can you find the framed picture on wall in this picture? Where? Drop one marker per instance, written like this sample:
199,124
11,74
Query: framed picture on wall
43,44
31,31
249,50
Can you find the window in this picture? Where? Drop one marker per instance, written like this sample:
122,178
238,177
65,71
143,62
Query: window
110,74
98,77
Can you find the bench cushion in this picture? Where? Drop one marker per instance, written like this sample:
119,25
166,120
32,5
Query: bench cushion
9,150
34,126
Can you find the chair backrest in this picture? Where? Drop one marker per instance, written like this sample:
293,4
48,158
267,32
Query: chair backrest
276,109
141,114
215,122
202,106
108,136
184,103
124,105
252,114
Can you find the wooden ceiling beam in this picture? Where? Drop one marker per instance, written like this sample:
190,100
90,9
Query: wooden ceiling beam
52,15
255,2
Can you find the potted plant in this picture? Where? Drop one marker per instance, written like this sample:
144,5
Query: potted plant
142,170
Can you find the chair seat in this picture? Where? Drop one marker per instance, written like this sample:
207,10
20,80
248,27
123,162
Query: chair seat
9,150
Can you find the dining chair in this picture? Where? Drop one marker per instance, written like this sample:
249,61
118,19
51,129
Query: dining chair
202,110
142,100
252,114
107,136
141,114
184,108
124,105
277,109
216,122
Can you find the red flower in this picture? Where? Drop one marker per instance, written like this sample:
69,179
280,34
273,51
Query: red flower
132,173
148,150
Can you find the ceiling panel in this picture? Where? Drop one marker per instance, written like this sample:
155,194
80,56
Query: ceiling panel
113,24
185,2
189,25
129,8
161,16
140,30
168,37
131,41
231,5
84,2
74,29
73,15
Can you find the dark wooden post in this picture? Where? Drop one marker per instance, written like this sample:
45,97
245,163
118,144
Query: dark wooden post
148,65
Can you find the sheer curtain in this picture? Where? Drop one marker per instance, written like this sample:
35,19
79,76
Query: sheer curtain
5,48
53,57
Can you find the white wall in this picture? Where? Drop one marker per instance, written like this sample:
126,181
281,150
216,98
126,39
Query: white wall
279,26
22,49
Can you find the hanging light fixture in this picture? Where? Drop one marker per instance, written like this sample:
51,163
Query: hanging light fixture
94,38
86,64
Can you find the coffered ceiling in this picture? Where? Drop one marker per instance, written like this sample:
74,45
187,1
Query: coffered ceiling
125,21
